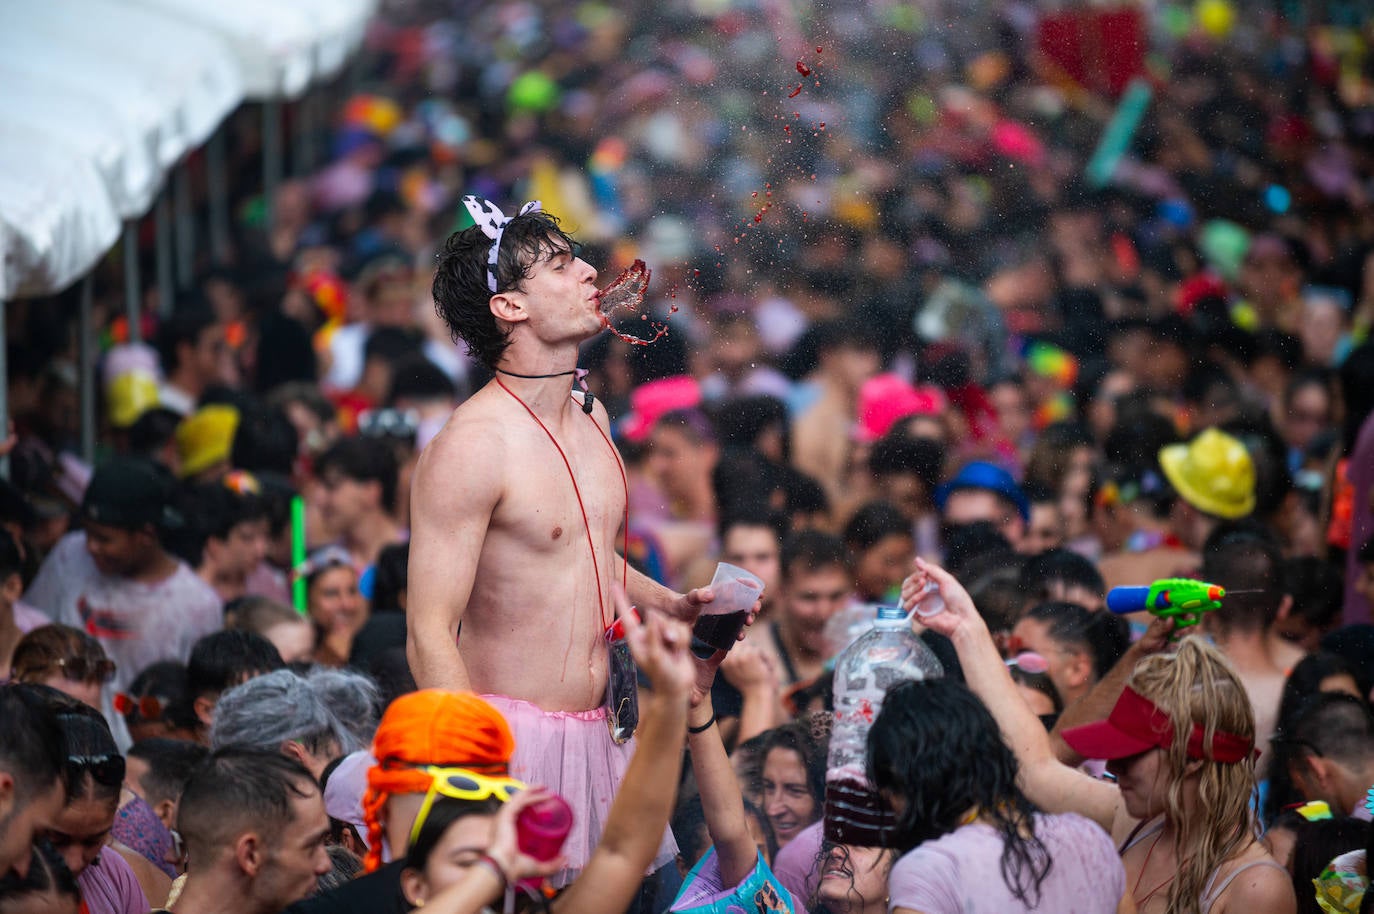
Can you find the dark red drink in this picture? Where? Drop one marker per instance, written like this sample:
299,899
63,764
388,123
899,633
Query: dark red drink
722,630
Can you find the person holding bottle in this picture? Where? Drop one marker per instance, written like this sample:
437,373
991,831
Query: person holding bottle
1179,739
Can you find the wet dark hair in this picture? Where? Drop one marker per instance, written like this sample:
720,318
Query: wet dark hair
184,325
935,745
363,460
221,660
872,524
1317,588
391,577
740,422
753,516
1245,555
1059,566
31,747
237,789
898,453
1103,636
1301,686
812,550
170,764
461,294
815,904
166,681
93,767
265,442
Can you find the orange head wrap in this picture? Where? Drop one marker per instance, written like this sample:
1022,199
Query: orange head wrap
433,727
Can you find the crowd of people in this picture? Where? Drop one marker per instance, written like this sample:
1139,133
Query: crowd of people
389,544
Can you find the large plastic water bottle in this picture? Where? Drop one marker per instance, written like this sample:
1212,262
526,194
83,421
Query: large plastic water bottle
886,654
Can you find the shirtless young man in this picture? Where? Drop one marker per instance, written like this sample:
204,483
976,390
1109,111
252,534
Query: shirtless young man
516,513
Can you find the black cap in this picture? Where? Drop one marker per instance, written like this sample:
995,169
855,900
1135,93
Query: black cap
131,492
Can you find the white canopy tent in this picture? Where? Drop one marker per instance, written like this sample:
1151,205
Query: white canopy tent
104,97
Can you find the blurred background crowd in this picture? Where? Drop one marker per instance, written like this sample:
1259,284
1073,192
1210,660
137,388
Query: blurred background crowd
1056,295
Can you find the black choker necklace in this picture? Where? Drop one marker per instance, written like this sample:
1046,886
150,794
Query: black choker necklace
580,374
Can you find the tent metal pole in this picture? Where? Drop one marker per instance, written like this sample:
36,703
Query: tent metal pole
218,191
166,289
86,371
133,305
185,225
298,131
271,154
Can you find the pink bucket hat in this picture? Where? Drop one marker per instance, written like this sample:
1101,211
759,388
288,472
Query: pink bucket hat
886,399
651,402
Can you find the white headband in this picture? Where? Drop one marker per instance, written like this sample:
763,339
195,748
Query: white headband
493,222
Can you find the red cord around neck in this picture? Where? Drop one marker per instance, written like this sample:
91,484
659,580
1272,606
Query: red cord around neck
586,525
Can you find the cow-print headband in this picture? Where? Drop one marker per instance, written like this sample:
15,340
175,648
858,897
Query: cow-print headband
493,222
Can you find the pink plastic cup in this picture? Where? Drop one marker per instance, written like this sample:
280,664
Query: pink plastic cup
542,828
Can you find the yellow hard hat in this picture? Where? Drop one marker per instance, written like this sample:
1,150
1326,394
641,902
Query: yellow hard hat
1213,473
206,437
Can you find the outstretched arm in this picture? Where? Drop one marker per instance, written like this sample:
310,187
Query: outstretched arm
644,802
453,496
1049,784
721,801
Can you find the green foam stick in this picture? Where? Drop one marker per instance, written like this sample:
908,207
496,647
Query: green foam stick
298,553
1116,139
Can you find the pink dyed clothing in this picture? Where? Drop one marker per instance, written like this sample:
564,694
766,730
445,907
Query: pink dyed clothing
1360,469
797,865
137,624
266,581
27,618
572,754
961,873
110,887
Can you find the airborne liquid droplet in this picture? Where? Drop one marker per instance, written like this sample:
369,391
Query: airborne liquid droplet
803,69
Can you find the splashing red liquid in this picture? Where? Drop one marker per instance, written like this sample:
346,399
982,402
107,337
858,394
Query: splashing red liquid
795,92
803,69
627,291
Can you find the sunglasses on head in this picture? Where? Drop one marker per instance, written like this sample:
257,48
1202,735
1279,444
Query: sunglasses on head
149,707
106,770
79,669
1029,662
462,784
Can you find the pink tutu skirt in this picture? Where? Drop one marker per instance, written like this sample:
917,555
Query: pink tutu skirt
572,754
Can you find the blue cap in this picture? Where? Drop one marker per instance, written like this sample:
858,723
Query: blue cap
989,478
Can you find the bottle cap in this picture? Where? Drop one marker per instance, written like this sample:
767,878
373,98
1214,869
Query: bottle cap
891,614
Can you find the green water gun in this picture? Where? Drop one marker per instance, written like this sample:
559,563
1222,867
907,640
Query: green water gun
1181,599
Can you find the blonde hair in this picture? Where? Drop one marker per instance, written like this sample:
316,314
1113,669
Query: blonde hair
1197,685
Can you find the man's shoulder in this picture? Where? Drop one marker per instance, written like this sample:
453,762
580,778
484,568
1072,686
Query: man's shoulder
481,416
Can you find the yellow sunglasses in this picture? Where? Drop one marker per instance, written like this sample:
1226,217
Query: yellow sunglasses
461,784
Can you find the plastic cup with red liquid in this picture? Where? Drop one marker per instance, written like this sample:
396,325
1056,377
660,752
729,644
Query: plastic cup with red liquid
736,591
